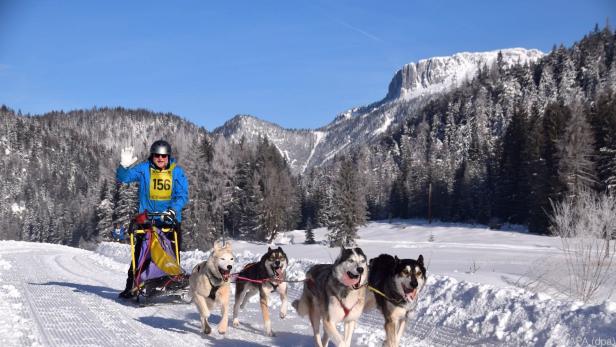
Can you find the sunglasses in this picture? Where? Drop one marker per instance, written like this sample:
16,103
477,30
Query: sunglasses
156,155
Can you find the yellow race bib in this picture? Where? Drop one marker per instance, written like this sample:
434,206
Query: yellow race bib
161,183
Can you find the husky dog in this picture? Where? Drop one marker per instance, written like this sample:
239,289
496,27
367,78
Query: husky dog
334,293
268,275
395,285
209,284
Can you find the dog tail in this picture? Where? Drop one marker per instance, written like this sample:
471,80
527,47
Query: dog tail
300,307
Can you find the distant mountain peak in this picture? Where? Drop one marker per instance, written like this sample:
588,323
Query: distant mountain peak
410,87
438,74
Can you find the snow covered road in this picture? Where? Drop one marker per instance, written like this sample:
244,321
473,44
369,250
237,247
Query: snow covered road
66,297
53,295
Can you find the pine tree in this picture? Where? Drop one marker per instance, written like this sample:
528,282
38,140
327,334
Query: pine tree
554,122
309,233
603,120
350,210
576,168
280,207
512,188
126,203
104,212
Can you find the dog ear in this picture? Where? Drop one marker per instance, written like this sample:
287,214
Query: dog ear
359,251
216,245
420,260
269,249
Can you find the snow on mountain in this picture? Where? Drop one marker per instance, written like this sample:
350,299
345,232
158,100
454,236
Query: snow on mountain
296,146
53,295
410,88
439,74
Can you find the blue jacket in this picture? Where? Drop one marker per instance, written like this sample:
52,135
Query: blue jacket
174,192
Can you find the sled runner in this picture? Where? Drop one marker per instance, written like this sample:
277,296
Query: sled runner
155,266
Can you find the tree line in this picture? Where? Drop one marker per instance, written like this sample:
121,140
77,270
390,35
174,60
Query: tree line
498,149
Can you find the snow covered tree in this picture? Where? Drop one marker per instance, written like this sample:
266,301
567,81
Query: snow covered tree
586,225
603,120
512,188
576,167
280,206
309,233
104,212
126,203
349,209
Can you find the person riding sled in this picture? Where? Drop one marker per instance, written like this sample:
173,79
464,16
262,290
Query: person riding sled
163,188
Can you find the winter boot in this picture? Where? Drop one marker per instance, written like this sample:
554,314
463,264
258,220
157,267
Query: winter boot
128,291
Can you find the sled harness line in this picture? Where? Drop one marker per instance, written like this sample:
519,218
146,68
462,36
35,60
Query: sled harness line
172,280
395,302
273,281
241,278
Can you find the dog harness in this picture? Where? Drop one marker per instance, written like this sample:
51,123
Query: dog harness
346,309
214,287
213,292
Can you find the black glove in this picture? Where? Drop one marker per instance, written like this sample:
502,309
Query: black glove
169,215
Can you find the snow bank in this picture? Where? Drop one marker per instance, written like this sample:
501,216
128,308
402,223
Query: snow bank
514,316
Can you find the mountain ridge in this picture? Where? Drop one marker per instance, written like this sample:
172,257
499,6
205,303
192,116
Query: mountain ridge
410,88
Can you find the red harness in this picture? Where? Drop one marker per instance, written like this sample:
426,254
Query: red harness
346,310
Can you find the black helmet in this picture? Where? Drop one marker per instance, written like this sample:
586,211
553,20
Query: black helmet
160,147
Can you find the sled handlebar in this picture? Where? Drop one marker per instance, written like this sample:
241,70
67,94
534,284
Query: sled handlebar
148,218
165,217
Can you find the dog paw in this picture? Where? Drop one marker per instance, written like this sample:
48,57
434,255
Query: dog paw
222,330
270,334
282,315
236,323
207,330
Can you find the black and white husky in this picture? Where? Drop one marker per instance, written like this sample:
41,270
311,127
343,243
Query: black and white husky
264,277
335,293
395,285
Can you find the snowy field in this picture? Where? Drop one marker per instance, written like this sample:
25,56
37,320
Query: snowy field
482,289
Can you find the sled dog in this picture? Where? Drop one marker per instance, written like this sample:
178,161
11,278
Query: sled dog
395,285
335,293
209,284
267,276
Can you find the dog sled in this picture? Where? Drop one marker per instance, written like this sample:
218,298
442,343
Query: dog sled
155,266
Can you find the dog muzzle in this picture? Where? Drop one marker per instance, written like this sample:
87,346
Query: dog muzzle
351,280
225,274
410,294
278,272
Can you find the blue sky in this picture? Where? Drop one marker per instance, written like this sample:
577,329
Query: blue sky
295,63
